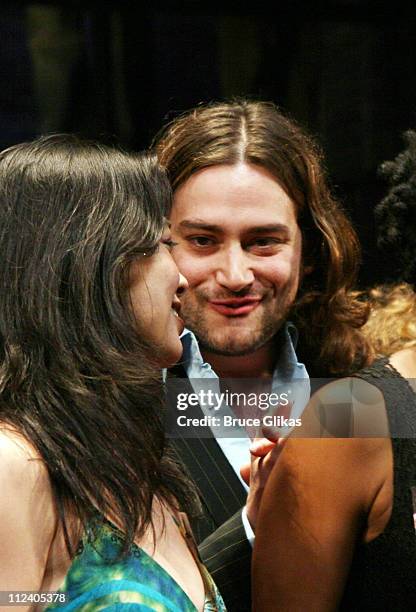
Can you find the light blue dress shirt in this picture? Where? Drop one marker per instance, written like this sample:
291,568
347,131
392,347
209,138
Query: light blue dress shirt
287,370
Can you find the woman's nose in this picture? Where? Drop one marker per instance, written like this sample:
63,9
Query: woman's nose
182,284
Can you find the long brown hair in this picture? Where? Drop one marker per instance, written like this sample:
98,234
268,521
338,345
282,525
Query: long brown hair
258,133
74,376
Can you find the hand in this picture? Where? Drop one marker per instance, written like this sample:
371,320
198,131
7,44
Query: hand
264,454
258,448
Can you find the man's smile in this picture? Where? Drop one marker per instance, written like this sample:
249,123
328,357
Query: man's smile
235,307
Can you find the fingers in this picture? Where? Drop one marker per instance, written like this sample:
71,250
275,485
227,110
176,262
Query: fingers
271,433
264,450
261,446
277,449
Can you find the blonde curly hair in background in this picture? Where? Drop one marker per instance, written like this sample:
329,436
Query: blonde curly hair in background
392,322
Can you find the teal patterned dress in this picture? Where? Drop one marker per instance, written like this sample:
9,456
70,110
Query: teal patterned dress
98,581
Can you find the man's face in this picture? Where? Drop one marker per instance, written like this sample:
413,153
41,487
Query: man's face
239,246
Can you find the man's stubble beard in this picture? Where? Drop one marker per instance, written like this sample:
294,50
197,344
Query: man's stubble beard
235,346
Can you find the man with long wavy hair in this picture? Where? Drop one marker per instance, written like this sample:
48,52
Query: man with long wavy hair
269,255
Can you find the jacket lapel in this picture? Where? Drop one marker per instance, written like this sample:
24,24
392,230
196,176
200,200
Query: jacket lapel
221,491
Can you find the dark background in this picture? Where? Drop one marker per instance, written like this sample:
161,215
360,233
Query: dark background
344,69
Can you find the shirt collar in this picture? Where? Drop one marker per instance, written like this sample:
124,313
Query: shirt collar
287,365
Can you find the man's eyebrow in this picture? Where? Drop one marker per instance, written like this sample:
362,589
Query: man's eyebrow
268,227
210,227
199,224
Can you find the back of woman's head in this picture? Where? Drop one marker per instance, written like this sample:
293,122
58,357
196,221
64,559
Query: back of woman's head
74,377
72,216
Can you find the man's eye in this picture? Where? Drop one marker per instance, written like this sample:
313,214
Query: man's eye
201,241
265,242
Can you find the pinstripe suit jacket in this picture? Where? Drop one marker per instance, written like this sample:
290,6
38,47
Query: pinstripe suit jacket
220,534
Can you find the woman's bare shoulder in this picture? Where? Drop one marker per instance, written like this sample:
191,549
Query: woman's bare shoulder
23,474
404,362
345,408
27,512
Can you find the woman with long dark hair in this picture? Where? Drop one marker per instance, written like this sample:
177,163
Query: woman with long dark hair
90,497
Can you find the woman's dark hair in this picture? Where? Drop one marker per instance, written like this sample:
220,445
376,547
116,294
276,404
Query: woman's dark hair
74,376
327,316
396,215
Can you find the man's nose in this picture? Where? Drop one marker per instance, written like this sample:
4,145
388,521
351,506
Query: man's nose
234,270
